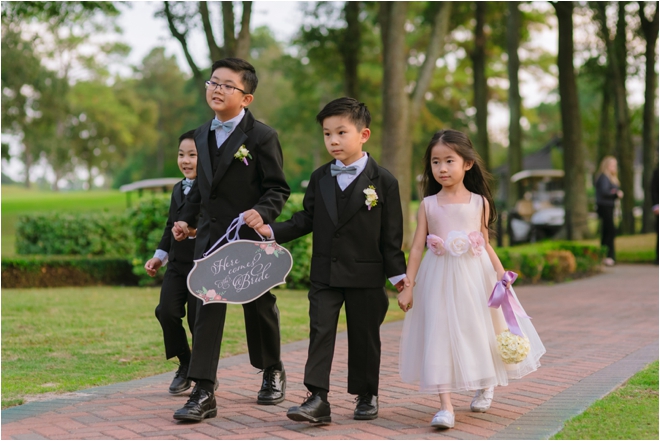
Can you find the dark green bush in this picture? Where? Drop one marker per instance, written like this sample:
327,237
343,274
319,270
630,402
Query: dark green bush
147,222
301,248
88,234
51,271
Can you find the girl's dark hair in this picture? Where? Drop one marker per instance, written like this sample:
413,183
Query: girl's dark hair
477,179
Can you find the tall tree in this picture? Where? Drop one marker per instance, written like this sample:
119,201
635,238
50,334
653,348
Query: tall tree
401,109
513,65
575,200
349,47
480,83
649,29
182,17
616,58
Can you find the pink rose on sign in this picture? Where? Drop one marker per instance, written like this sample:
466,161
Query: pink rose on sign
435,244
270,249
477,242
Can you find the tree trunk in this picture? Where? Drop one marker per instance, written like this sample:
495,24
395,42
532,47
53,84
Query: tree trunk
349,46
90,177
27,160
244,36
605,146
480,85
623,135
197,74
515,134
214,49
228,28
575,199
649,137
395,101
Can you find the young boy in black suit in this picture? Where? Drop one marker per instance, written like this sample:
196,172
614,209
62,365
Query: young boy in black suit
354,210
174,293
239,171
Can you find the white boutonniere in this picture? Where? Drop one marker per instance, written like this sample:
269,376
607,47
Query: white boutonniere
242,154
371,198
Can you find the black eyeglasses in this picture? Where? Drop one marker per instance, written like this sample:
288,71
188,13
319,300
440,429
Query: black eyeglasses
224,88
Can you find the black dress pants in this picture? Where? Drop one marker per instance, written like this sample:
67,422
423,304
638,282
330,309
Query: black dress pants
365,312
171,309
262,326
607,229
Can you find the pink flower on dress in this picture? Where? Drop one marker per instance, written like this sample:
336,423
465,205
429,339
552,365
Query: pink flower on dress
435,244
477,242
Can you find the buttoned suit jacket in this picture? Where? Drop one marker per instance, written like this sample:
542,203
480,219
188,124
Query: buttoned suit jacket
360,247
180,254
218,198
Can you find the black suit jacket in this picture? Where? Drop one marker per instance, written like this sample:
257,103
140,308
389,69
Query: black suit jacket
179,253
360,248
234,188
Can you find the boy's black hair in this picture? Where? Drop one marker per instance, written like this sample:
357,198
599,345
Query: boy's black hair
351,108
190,134
242,67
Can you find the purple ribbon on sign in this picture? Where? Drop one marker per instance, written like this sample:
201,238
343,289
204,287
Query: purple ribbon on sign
502,296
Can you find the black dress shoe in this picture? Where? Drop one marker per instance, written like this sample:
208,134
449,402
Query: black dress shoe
366,408
272,387
312,410
200,405
180,383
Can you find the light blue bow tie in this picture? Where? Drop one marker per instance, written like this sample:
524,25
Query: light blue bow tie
187,185
339,169
226,126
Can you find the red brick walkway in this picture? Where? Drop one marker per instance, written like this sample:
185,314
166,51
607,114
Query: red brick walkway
597,331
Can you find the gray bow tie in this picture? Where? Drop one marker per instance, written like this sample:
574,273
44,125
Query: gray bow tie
187,185
226,126
339,169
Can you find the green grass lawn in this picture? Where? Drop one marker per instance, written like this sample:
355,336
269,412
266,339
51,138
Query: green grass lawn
67,339
637,248
18,201
630,412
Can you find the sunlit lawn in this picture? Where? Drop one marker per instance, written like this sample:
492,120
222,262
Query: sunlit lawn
67,339
630,412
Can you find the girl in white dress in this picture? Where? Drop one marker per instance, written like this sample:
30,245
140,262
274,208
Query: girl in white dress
449,334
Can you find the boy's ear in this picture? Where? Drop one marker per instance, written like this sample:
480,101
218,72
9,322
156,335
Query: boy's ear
247,99
365,134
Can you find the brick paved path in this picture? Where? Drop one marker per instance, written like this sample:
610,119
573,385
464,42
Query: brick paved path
598,332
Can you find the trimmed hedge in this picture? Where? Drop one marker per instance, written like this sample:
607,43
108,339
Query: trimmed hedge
54,271
301,248
552,260
87,234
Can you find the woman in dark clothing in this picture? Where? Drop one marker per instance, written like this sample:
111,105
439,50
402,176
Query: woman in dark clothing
607,192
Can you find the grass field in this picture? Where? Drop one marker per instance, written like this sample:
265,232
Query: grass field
17,201
630,412
67,339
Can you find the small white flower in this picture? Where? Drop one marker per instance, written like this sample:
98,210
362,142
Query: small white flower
457,243
512,348
371,197
242,154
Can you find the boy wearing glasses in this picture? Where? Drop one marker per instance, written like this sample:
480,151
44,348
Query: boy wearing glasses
239,171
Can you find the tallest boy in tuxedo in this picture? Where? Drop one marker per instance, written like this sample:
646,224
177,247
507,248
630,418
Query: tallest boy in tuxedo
227,186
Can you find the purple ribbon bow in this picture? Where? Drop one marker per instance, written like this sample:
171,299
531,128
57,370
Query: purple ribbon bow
502,296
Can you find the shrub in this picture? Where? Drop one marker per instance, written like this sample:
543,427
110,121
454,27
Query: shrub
587,257
52,271
531,266
147,222
301,248
88,234
559,264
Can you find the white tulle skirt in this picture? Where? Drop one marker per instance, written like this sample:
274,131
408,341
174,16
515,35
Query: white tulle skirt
448,342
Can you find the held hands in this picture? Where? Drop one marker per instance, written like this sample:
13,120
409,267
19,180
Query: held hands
253,219
264,230
405,299
153,265
180,230
402,284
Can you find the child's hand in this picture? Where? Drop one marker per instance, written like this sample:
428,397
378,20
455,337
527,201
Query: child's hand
405,299
403,283
153,265
180,230
264,230
253,219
